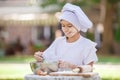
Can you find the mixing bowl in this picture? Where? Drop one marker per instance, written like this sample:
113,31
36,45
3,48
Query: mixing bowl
44,66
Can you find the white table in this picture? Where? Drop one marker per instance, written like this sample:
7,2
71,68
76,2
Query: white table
37,77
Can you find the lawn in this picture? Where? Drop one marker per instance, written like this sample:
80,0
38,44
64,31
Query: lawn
13,71
16,59
15,68
108,71
109,59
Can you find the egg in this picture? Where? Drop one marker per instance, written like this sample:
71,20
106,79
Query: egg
76,70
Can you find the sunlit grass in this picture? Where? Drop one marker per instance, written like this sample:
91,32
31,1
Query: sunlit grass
15,68
18,71
108,72
14,71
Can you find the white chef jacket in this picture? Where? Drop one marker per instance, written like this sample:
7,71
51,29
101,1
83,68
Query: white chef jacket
80,52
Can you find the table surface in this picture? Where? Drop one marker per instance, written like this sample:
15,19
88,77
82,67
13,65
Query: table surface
47,77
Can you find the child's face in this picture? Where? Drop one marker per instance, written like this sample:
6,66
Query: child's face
68,29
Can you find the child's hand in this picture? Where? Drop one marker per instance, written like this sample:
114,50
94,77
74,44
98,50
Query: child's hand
64,64
38,56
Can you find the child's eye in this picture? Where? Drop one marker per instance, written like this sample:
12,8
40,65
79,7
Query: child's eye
63,25
69,25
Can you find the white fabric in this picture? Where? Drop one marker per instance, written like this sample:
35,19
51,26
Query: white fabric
76,16
81,52
37,77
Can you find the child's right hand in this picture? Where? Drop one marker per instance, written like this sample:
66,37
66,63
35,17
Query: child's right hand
38,56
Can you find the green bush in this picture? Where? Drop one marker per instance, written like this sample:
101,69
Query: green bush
117,34
90,36
38,47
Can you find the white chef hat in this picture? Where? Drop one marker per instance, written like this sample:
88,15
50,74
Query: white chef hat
76,16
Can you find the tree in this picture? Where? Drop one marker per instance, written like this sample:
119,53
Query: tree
106,18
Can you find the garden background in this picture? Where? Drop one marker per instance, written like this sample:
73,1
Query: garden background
27,26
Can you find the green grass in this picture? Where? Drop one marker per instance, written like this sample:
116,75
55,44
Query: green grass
14,71
108,72
106,59
17,59
109,59
11,67
16,67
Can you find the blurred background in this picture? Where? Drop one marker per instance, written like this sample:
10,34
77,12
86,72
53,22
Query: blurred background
27,26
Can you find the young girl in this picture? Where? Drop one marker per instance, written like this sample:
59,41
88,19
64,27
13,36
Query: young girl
71,50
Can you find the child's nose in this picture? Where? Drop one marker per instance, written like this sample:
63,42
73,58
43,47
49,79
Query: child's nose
66,29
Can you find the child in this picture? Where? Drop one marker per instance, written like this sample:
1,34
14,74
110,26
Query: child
71,50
